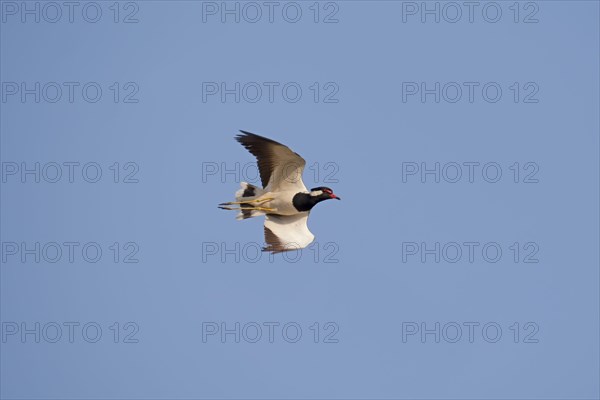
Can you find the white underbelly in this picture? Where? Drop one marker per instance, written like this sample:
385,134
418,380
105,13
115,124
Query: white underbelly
282,203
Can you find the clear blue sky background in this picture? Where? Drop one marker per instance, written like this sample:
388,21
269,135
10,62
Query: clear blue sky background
368,134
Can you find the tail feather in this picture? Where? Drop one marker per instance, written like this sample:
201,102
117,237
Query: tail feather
248,192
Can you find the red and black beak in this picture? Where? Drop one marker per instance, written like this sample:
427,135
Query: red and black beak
333,196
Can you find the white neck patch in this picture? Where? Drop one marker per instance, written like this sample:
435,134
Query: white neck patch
316,193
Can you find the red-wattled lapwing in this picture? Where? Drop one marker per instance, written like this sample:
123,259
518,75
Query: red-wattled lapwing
284,200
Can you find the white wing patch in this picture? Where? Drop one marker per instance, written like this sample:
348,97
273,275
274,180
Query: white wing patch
287,232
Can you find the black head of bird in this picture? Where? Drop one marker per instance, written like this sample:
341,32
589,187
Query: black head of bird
306,201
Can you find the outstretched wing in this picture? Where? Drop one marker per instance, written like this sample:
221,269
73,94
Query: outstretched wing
280,168
287,232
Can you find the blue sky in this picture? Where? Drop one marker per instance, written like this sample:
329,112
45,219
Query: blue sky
462,261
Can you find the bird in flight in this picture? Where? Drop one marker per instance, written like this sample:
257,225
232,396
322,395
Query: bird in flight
283,199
